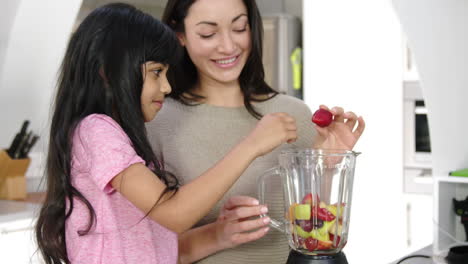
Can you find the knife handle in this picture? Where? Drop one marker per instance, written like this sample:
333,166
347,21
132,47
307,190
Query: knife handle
24,127
14,145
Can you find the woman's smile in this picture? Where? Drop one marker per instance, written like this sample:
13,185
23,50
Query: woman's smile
227,62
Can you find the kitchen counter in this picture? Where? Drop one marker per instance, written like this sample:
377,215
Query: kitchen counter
15,210
427,251
19,210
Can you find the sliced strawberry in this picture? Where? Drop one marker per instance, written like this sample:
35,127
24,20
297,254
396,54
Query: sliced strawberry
311,244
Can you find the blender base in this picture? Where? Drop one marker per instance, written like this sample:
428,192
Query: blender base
298,258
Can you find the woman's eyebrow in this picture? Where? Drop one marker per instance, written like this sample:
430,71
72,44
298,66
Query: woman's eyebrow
215,24
237,17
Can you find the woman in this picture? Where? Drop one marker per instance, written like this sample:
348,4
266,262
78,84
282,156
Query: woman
218,95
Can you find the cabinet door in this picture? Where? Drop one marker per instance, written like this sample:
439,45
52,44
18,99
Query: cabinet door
17,244
419,222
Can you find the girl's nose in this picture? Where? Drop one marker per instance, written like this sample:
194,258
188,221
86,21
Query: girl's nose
165,86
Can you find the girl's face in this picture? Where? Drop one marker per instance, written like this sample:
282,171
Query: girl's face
155,87
217,38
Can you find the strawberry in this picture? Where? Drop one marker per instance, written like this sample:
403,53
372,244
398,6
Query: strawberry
311,244
322,117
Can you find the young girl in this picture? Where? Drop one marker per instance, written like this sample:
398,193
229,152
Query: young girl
108,199
223,92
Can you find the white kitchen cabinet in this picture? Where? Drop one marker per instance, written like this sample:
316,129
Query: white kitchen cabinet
449,231
17,243
418,221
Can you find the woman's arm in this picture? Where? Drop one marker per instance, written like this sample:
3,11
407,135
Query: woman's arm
180,211
232,228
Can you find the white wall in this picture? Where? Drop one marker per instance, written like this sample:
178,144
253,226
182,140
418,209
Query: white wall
8,12
353,58
437,34
37,35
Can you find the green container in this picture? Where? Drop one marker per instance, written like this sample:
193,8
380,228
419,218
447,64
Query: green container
459,173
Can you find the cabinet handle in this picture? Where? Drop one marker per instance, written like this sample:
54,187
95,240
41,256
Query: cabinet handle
408,224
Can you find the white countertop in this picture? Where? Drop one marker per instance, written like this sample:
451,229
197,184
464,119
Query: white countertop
15,210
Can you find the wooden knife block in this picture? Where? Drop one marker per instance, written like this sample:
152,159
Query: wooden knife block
12,177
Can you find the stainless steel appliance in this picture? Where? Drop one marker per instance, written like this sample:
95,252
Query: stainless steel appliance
282,58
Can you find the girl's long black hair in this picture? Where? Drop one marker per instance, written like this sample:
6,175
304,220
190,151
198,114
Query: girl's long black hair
252,77
100,73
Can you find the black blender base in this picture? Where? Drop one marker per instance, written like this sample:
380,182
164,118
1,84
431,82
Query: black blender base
298,258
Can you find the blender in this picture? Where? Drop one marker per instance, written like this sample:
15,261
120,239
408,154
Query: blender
317,190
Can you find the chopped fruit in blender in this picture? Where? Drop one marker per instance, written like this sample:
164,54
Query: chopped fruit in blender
300,232
322,233
299,240
322,214
319,235
333,208
322,117
316,224
335,230
290,215
308,199
337,242
323,245
302,211
311,244
306,225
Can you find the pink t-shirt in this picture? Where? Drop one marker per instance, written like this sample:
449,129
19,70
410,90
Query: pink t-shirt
121,233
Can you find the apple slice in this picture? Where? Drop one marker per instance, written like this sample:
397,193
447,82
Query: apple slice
302,211
290,213
300,232
324,245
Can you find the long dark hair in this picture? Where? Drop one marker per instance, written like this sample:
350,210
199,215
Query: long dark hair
100,73
252,77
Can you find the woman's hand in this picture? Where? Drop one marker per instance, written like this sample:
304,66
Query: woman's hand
235,226
342,133
271,131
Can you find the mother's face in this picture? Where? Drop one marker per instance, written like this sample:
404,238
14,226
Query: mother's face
217,38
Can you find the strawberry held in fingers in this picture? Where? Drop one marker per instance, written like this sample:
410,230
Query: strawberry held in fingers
322,117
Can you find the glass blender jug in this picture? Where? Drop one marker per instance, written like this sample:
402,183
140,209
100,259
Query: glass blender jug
317,188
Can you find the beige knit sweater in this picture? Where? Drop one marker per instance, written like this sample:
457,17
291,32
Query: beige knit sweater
191,139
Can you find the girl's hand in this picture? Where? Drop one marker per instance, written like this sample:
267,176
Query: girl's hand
342,133
271,131
234,226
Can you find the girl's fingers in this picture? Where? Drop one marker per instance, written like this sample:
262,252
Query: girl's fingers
245,212
248,225
240,200
241,238
291,136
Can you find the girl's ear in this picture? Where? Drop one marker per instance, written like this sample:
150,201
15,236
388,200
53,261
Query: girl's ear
181,37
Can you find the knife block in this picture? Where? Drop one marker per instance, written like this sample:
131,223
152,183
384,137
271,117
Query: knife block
12,177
